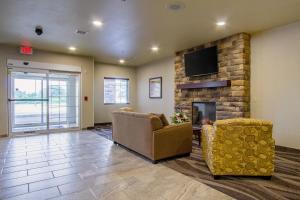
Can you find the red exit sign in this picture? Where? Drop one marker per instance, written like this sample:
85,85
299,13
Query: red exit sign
26,50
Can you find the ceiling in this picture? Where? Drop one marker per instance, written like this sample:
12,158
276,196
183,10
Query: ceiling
131,27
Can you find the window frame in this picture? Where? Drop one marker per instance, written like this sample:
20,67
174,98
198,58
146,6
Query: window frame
116,78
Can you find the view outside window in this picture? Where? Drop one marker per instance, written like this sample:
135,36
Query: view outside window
116,91
28,94
63,101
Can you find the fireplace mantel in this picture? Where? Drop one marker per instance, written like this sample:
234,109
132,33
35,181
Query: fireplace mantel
208,84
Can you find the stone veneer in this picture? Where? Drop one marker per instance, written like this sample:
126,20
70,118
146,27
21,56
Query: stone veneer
234,65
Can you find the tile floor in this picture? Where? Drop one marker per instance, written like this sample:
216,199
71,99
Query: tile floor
82,165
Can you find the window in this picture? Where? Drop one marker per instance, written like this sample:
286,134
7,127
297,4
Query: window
116,90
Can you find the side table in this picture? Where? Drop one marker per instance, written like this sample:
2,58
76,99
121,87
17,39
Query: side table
197,133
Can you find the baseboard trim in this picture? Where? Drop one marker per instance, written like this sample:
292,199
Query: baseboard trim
103,124
88,128
284,148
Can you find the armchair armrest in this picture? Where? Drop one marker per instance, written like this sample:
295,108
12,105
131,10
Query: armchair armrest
172,140
208,135
208,132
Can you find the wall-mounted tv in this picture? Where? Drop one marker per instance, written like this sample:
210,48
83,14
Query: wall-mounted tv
201,62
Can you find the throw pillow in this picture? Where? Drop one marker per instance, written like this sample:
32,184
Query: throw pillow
162,118
156,123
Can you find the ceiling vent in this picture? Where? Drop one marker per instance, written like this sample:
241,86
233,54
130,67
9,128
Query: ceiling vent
175,6
81,32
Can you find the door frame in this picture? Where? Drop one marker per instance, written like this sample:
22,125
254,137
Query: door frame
48,130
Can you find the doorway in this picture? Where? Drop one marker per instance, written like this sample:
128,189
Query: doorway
42,101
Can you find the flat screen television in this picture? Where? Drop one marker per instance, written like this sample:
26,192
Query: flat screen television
201,62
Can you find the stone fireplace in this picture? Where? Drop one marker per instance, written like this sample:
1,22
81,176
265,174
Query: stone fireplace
232,99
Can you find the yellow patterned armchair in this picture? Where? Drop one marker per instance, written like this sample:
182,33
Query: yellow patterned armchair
239,147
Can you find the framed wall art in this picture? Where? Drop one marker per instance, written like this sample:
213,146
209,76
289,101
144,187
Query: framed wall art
155,88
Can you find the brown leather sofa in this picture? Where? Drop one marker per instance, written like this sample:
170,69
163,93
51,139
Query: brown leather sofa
147,135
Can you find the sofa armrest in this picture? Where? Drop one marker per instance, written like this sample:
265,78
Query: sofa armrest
172,140
175,128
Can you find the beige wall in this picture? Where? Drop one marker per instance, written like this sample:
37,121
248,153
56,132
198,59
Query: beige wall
164,68
275,81
87,67
103,112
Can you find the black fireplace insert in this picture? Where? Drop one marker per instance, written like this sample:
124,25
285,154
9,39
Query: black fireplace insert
203,113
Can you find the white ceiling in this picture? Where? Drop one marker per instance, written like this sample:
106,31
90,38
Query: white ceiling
131,27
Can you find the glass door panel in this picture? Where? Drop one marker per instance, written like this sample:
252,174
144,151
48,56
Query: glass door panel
63,100
28,101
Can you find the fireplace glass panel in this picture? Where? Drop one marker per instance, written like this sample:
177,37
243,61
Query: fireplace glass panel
203,113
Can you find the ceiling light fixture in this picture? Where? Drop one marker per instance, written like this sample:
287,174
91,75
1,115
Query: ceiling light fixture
122,61
97,23
221,23
155,48
71,48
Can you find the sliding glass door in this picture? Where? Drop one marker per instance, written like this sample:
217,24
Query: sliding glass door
63,101
41,101
28,101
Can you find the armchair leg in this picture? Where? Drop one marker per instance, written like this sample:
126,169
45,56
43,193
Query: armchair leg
154,161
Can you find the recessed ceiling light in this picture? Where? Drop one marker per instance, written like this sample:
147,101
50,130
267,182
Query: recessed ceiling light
155,48
97,23
221,23
72,48
122,61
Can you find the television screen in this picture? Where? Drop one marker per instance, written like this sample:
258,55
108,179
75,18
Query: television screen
201,62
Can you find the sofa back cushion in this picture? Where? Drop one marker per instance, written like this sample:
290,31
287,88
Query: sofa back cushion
126,109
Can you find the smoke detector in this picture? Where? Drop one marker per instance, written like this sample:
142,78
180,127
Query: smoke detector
81,32
175,6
